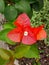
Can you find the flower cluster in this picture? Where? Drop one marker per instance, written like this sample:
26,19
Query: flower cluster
24,32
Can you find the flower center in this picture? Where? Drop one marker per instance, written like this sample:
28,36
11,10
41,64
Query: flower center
25,33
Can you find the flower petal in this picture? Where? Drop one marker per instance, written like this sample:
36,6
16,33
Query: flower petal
29,39
36,30
15,35
22,20
39,32
41,35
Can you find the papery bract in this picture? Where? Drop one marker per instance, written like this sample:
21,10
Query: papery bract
22,20
41,35
39,32
15,34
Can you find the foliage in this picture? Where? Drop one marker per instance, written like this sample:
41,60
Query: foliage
2,6
10,13
33,52
12,8
21,8
3,62
42,17
3,36
37,10
19,53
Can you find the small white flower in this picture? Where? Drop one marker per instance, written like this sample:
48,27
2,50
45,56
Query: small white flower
25,33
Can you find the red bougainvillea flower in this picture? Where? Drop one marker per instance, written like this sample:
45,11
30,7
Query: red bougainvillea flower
24,32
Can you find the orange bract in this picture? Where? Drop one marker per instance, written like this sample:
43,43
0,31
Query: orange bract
41,35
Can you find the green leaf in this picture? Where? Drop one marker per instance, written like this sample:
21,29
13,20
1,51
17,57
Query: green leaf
38,5
3,36
2,5
31,1
3,62
41,3
38,63
23,6
10,13
8,26
5,54
15,1
21,50
33,52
